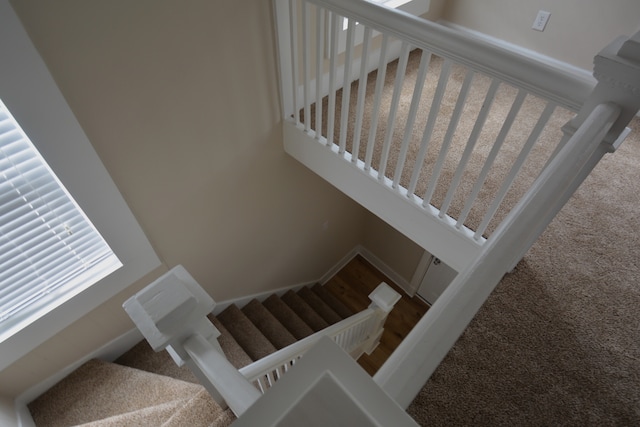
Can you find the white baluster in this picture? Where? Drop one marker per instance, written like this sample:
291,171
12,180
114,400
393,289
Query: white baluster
331,111
293,25
319,71
431,122
306,63
425,58
395,99
346,87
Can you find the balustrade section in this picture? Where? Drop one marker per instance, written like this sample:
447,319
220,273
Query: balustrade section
459,128
356,335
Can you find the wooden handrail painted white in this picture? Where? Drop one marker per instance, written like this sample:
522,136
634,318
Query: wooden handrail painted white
536,77
413,362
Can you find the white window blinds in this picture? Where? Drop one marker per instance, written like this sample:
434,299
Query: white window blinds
49,250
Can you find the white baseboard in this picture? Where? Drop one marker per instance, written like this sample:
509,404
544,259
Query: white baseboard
386,270
260,296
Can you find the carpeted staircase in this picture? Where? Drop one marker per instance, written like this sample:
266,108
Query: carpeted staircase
144,388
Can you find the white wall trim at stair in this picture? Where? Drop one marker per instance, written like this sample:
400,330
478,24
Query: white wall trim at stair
566,67
260,296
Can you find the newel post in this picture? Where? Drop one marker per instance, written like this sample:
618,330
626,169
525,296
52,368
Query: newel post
383,298
617,70
172,314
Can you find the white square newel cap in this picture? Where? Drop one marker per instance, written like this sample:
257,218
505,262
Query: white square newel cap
170,309
384,296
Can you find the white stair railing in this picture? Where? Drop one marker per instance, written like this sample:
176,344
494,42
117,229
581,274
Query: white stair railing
464,206
356,335
172,314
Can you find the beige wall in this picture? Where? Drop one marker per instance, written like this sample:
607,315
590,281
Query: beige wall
576,31
398,252
180,100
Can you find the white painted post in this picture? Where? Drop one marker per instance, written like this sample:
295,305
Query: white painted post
383,298
172,314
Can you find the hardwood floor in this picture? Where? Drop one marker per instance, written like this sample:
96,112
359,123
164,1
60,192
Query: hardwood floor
353,284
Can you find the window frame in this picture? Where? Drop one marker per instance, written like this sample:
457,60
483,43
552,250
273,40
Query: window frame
30,93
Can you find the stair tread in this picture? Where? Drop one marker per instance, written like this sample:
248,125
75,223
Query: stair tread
268,324
99,390
230,347
304,310
141,356
319,306
252,341
287,317
331,300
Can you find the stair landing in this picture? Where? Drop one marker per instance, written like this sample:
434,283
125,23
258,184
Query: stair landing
352,286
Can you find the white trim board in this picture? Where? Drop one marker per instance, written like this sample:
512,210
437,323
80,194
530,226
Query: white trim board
41,109
564,66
